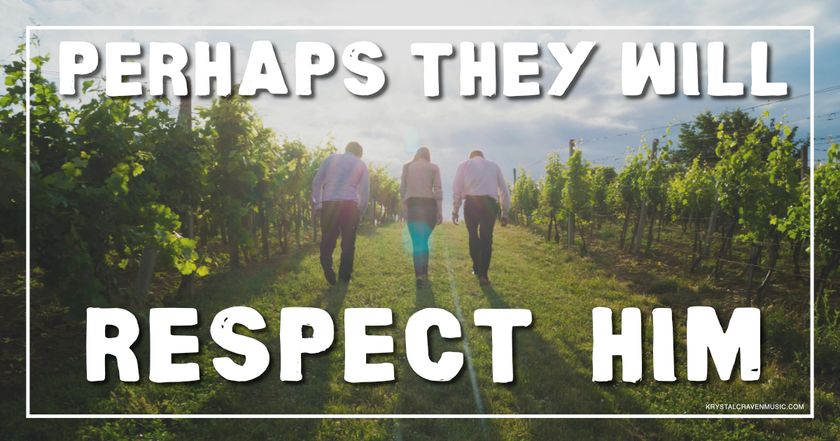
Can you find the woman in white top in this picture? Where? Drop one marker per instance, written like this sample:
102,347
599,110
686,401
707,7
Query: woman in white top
422,197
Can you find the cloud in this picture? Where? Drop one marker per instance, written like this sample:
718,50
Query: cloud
513,132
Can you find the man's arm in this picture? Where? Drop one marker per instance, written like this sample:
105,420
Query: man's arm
364,190
504,192
318,185
437,187
458,189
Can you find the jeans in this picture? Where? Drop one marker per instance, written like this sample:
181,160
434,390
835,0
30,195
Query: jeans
339,218
422,217
480,217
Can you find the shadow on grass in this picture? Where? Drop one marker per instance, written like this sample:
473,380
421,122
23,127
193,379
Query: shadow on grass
420,396
70,392
659,276
58,374
545,383
241,285
269,395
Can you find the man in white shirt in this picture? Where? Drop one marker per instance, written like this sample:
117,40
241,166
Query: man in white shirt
479,183
340,196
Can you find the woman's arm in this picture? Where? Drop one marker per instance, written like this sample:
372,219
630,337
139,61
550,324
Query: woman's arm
437,191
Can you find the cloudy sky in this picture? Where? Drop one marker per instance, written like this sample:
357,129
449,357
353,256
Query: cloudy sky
514,132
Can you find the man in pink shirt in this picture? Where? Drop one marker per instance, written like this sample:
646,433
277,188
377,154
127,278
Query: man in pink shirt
480,185
340,196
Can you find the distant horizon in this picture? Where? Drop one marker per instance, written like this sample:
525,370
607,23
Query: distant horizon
513,132
519,133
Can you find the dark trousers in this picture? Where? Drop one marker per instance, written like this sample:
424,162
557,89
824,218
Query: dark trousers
339,218
480,217
422,217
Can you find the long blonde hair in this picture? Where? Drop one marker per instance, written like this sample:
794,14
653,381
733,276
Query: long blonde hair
423,153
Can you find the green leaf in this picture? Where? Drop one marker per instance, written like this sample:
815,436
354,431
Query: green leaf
188,268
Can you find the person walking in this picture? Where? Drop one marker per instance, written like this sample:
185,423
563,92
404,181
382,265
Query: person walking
340,192
480,185
422,198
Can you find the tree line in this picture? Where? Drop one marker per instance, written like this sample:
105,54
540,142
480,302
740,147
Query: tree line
732,179
120,188
123,188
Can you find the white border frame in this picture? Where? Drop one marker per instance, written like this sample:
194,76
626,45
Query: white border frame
809,415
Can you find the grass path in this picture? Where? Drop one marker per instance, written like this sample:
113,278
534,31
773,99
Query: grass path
552,364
